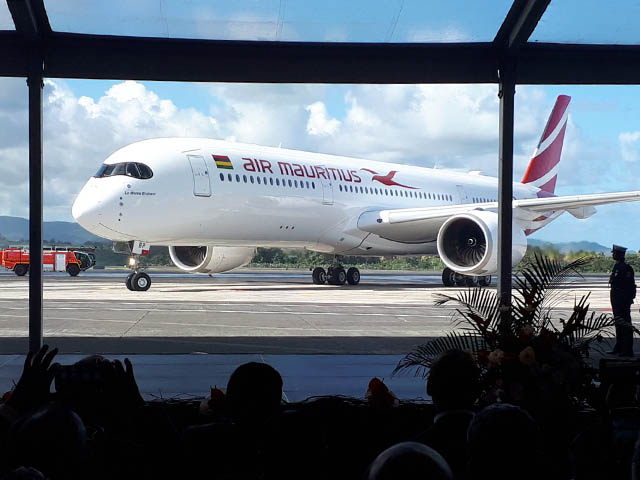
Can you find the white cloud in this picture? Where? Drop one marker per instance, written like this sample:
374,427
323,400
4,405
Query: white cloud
78,134
319,122
630,146
446,34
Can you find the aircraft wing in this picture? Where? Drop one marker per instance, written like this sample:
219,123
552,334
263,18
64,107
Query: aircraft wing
421,225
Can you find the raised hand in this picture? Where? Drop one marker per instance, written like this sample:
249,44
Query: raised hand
33,388
125,389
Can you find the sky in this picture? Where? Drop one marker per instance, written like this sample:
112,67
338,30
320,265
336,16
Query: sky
442,126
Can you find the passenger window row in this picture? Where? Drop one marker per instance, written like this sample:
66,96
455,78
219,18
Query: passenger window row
267,181
482,200
395,193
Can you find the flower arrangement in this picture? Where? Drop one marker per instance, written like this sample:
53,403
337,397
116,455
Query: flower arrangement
530,353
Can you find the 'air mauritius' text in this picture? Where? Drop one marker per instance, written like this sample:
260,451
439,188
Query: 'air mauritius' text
300,170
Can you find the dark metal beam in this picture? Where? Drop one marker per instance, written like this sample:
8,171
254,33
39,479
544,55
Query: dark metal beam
90,56
505,182
14,55
86,56
35,82
30,18
519,24
578,64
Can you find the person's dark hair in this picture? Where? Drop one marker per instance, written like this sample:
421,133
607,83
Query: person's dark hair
408,461
453,381
52,439
503,443
254,392
24,473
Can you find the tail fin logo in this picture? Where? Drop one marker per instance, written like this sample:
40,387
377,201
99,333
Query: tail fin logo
543,167
387,179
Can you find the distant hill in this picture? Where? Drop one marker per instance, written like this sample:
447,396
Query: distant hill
16,229
567,247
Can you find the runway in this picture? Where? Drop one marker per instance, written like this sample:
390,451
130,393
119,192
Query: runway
244,312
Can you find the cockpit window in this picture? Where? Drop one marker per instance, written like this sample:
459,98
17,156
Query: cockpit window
145,172
130,169
119,169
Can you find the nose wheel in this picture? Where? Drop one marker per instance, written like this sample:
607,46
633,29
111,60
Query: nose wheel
138,282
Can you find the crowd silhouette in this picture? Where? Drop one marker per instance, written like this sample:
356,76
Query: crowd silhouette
89,421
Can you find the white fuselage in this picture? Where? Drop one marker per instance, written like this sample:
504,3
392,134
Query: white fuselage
270,197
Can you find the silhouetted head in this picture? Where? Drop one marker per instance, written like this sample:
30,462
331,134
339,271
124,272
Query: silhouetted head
254,393
618,253
52,439
409,461
503,443
24,473
453,381
85,386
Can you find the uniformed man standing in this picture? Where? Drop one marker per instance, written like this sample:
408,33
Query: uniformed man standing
623,291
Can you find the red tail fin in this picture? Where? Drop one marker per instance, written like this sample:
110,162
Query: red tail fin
543,167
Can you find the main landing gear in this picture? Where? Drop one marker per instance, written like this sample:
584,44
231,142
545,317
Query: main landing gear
336,275
451,279
137,281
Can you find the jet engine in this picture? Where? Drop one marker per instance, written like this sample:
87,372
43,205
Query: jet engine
208,259
468,243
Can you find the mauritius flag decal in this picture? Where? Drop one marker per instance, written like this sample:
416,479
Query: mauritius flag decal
222,161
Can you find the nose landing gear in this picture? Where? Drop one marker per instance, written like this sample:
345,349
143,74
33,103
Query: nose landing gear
137,281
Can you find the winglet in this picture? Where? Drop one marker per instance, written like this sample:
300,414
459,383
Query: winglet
543,167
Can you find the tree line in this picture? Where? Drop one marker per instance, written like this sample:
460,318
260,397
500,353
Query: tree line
299,258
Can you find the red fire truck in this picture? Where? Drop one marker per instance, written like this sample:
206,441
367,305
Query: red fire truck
17,259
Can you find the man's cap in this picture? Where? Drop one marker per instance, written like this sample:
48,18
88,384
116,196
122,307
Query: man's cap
618,248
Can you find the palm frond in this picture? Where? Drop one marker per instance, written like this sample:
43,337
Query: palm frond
423,356
479,310
540,288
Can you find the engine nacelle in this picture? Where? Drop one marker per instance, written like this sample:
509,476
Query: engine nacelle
208,259
468,243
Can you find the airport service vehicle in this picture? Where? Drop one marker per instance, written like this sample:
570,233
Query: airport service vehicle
17,259
213,202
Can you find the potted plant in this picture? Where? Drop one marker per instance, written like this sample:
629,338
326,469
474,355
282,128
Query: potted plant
530,353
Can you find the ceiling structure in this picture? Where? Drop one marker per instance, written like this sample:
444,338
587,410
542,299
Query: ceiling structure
375,59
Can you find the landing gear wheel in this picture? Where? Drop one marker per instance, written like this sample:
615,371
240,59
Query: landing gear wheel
337,276
21,269
471,281
73,269
128,281
484,281
353,276
448,277
319,276
141,282
461,280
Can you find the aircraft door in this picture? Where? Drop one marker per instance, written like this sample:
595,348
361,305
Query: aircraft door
462,193
327,191
201,183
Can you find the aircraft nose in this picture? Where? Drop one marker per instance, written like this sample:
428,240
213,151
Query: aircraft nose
86,209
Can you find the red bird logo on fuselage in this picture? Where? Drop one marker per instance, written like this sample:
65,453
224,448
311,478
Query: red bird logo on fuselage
387,179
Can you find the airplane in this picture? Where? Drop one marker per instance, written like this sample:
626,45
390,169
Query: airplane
213,202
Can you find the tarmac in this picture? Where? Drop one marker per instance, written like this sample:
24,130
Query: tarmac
188,332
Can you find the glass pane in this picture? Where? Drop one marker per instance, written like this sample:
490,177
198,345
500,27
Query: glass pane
589,21
293,20
6,22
